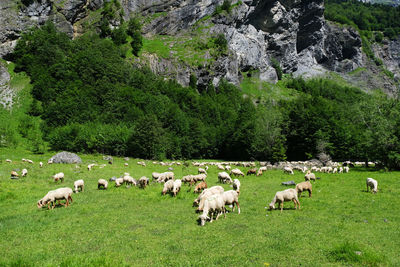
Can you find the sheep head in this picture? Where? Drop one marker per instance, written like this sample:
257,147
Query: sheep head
203,218
271,206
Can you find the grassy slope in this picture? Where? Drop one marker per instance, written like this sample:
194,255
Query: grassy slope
140,227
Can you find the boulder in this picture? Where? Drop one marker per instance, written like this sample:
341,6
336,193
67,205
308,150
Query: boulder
66,157
289,183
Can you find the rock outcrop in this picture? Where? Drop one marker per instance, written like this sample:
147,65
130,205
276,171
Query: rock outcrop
6,93
66,157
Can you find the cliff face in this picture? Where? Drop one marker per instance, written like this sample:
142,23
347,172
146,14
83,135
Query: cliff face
294,32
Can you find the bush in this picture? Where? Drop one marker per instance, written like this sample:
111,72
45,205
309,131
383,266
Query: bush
119,36
277,67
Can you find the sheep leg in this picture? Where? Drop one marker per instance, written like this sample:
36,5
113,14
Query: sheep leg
281,206
219,214
237,204
309,192
211,217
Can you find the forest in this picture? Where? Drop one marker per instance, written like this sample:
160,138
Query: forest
86,97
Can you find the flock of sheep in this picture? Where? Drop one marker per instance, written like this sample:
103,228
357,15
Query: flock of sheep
212,201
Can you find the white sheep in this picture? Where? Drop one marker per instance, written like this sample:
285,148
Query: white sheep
24,172
213,204
346,169
304,186
58,177
58,194
155,175
79,184
340,169
119,182
129,180
237,172
224,177
102,183
165,176
201,170
90,166
227,167
334,170
288,170
177,187
231,197
310,176
220,167
199,177
206,193
373,184
236,185
8,160
14,174
285,195
40,164
168,186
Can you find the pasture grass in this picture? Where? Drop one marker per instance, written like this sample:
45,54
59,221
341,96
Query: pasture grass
135,227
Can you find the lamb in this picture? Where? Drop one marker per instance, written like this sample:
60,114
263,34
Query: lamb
346,169
259,173
201,186
24,172
129,180
102,183
177,187
237,172
236,185
79,184
14,174
224,177
119,182
373,184
206,193
168,186
90,166
231,197
8,160
58,177
252,171
201,170
143,182
285,195
52,196
288,170
213,204
304,186
310,176
40,164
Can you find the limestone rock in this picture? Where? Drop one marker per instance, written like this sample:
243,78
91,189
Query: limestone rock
66,157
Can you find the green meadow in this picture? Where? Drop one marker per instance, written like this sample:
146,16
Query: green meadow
341,225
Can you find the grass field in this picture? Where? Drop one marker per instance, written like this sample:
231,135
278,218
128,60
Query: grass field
135,227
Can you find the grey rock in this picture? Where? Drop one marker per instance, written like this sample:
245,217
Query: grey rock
126,158
109,158
289,183
66,157
112,179
6,93
170,169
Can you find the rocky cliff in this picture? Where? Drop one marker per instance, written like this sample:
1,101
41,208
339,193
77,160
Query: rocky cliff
293,32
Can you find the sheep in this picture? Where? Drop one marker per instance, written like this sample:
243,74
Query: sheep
346,169
155,175
264,168
227,167
288,170
188,179
50,161
119,182
224,177
201,170
126,164
252,171
8,160
373,184
231,197
24,172
29,161
237,172
201,186
220,167
58,177
213,204
168,186
58,194
143,182
165,176
309,176
285,195
102,183
14,174
177,187
206,193
199,177
90,166
304,186
79,184
334,170
236,185
141,163
129,180
259,173
40,164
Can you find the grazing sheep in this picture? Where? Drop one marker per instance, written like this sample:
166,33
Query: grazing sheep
199,177
201,186
213,204
165,176
334,170
220,167
90,166
119,182
14,174
373,184
40,164
143,182
201,170
340,170
29,161
227,167
141,163
285,195
237,172
346,169
259,173
188,179
102,183
231,197
177,187
9,160
224,178
129,180
79,184
304,186
50,161
168,186
288,170
58,194
252,171
199,201
58,177
24,172
155,175
264,168
236,185
309,176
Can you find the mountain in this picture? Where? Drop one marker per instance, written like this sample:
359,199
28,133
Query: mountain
258,32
